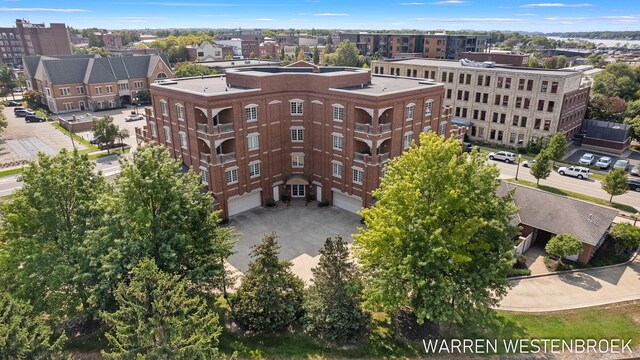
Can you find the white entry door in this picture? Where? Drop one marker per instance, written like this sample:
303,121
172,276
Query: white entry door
297,191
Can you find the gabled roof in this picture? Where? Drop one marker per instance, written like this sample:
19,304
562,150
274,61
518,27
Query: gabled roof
65,71
31,64
101,72
559,214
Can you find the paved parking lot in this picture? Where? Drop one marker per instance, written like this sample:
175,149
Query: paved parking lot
118,119
302,230
575,157
22,140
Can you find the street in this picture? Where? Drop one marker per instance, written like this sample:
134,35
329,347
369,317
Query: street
589,187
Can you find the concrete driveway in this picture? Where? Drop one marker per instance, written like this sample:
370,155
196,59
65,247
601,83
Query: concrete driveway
302,230
575,290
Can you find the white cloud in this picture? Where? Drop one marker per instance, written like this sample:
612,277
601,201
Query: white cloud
163,3
555,5
331,15
620,19
485,20
443,2
42,10
524,14
264,19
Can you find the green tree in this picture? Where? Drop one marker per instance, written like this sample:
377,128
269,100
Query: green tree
635,127
185,69
3,120
270,296
296,52
25,334
541,168
316,55
347,54
32,98
282,55
556,147
144,96
563,245
329,47
7,80
617,80
158,211
177,54
625,236
595,60
333,303
105,130
158,319
451,235
45,225
122,135
615,183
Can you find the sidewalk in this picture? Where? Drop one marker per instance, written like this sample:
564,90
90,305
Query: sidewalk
590,287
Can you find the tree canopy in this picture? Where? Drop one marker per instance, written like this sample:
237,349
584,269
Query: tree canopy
541,168
563,245
347,54
438,239
615,182
625,236
185,69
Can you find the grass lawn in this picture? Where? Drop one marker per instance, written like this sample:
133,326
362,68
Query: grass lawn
78,138
13,171
575,195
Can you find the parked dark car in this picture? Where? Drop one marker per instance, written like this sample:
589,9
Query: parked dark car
34,118
24,113
13,103
94,140
634,184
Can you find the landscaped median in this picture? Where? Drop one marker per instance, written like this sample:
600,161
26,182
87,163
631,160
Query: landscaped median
78,138
575,195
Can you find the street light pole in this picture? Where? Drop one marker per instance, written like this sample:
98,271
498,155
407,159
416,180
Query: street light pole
518,168
136,100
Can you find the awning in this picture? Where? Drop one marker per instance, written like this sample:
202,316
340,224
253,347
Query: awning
298,180
460,121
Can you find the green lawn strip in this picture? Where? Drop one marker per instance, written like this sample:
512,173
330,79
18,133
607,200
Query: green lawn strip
13,171
114,151
575,195
79,138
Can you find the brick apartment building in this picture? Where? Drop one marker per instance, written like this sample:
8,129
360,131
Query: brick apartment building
259,133
439,46
89,82
32,39
506,105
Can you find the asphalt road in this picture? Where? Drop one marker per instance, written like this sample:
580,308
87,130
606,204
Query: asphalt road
589,187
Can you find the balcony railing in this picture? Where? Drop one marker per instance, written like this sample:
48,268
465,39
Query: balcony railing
205,157
382,158
361,157
203,128
225,158
364,128
384,128
222,128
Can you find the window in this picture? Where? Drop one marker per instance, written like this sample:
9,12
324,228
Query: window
358,175
64,91
109,89
180,111
500,134
487,81
521,84
536,124
297,191
138,84
507,83
254,169
540,105
336,169
518,102
337,141
512,137
551,106
516,120
80,89
296,107
457,111
338,113
543,87
251,112
204,175
464,112
232,175
475,114
409,115
529,85
164,108
428,107
492,134
505,100
480,132
68,106
485,98
480,80
466,96
98,90
444,76
459,94
483,115
495,117
461,79
443,129
478,96
503,118
496,101
154,130
468,79
407,140
527,103
167,134
297,160
253,141
500,82
547,125
183,140
450,77
297,134
449,92
554,87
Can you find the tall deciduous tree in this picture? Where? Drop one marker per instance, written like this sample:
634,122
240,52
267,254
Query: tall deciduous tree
563,245
24,334
270,296
45,225
32,98
556,147
617,80
316,55
185,69
7,80
541,168
625,236
158,211
347,54
157,319
615,183
105,130
438,239
333,303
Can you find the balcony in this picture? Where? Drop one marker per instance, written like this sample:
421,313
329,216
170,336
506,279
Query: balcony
361,157
383,158
222,128
203,128
369,129
364,128
206,158
225,158
384,128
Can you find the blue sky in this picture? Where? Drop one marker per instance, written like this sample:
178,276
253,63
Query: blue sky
527,15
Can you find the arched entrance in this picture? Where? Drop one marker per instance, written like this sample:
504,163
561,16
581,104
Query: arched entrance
297,186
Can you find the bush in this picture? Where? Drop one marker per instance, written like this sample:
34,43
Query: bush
323,203
518,272
271,203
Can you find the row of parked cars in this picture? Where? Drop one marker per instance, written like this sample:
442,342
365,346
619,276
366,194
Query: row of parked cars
604,162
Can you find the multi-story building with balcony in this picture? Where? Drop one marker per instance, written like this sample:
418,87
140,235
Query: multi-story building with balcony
260,133
507,105
439,46
89,82
10,46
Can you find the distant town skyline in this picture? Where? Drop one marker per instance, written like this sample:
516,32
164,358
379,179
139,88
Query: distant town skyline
515,15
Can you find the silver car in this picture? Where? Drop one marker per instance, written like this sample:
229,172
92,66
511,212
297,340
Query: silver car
624,164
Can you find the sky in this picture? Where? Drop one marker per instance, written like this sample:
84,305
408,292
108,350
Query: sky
483,15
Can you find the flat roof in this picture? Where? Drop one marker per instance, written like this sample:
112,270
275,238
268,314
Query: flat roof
386,84
237,63
458,65
206,85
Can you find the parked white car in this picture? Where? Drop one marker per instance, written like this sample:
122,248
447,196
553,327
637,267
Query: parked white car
604,162
134,118
575,171
528,163
503,156
587,159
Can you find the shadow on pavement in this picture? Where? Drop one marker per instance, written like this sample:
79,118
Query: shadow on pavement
581,280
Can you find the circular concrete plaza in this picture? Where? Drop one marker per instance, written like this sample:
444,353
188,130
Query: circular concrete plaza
302,230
